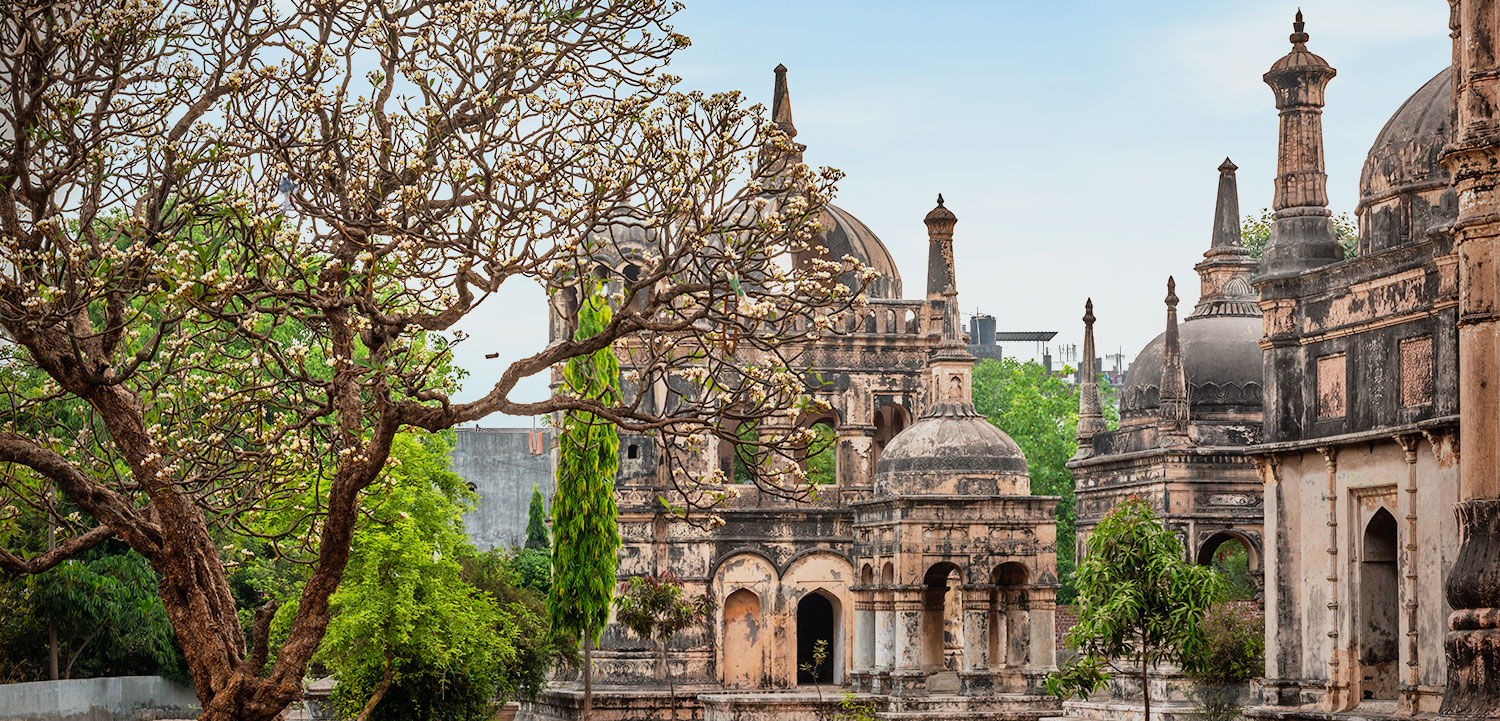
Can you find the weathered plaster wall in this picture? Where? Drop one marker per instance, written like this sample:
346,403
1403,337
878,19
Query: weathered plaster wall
500,466
1321,604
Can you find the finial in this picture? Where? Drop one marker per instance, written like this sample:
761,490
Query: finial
1088,312
940,200
1171,292
1228,166
781,69
1299,37
1226,232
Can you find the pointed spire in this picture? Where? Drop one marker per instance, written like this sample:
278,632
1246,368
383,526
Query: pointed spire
1227,209
781,105
1173,399
1090,406
1227,266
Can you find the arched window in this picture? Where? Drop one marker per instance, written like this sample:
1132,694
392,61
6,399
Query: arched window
1229,554
820,456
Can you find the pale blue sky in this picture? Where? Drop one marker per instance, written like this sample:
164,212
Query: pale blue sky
1076,141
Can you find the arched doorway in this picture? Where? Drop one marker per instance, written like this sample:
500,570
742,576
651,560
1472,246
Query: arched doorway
816,621
743,654
942,582
1230,554
1379,607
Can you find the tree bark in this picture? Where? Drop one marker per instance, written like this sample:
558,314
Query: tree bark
588,676
1145,681
385,685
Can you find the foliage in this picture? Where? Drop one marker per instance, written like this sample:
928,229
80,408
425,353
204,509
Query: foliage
583,505
814,667
410,638
1136,597
1232,560
653,608
1235,653
1040,412
853,709
105,610
239,237
1255,233
821,454
536,523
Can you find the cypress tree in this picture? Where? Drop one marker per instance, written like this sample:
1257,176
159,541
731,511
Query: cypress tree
583,505
536,527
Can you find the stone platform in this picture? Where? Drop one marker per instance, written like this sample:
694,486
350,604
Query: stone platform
711,703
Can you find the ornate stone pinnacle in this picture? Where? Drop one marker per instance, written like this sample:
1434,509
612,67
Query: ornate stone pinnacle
1171,292
1088,312
940,200
1298,36
1228,166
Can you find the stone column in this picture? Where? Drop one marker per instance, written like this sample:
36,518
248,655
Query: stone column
885,631
855,448
1472,645
907,678
864,637
976,677
1043,628
1016,628
1000,639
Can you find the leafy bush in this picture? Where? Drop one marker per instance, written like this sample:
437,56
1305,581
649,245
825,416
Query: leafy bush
1234,653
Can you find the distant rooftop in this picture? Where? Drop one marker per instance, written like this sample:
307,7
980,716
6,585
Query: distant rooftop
1012,336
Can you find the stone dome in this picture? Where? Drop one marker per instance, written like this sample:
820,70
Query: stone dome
1403,187
952,450
1221,358
843,234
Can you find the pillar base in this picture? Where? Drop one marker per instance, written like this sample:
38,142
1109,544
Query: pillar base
864,682
979,682
1472,645
907,682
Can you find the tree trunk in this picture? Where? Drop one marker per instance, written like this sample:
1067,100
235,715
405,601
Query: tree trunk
671,685
1145,683
385,685
52,648
588,676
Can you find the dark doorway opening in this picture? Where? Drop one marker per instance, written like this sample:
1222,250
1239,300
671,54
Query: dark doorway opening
814,624
1379,647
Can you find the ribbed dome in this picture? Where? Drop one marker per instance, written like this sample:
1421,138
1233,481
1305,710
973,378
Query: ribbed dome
1221,358
1401,189
844,234
952,451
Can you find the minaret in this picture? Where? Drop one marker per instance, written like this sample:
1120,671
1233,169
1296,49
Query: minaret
940,276
1225,271
1173,404
1302,233
1090,407
951,366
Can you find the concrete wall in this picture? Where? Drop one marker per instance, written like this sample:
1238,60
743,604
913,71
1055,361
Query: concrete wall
499,464
121,698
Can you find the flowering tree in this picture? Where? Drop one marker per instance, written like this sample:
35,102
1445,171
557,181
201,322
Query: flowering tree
234,235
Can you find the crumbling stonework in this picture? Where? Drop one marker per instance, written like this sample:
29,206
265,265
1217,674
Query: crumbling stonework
859,565
1357,455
